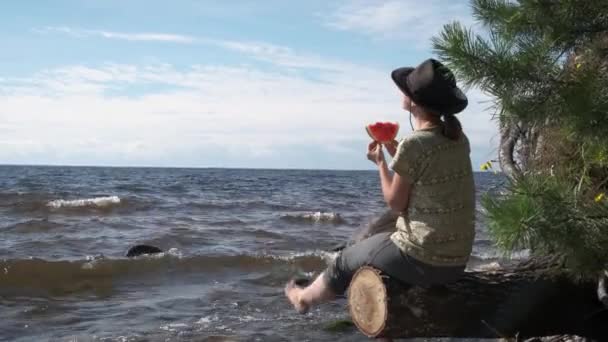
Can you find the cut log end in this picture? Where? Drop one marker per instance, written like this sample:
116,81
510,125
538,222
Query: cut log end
368,302
531,299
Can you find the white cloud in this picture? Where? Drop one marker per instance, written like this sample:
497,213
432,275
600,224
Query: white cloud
412,21
279,55
276,54
372,17
207,115
158,37
66,113
141,36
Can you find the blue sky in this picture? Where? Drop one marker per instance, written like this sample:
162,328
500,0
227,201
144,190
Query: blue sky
264,84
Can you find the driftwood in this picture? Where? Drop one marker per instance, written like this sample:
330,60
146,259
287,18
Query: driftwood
535,298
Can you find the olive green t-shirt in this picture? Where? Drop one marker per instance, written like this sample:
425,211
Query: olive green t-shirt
438,226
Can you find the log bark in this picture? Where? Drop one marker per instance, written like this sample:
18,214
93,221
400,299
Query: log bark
535,298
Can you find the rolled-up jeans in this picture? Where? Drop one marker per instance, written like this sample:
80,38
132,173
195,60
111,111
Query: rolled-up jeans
380,252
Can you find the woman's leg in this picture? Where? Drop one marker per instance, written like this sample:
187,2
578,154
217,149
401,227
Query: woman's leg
303,298
336,278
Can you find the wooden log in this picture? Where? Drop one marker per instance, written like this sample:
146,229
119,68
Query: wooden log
535,298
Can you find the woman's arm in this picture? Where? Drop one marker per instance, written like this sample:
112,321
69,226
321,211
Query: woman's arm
395,188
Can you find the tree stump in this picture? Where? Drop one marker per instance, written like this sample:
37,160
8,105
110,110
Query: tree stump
535,298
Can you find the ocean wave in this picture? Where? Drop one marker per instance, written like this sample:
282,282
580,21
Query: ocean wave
23,200
238,204
340,194
489,260
495,255
96,202
33,226
315,217
100,274
46,203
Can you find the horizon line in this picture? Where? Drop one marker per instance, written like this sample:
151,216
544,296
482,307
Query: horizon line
176,167
193,167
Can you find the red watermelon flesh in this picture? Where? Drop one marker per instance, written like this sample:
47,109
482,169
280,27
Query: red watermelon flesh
383,132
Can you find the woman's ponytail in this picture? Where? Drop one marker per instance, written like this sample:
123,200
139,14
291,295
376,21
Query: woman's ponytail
452,129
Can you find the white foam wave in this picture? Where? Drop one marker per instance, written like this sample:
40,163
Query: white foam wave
316,217
207,320
173,327
489,266
326,256
492,260
491,255
172,253
323,217
96,202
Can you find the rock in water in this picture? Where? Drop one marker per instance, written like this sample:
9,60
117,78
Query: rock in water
138,250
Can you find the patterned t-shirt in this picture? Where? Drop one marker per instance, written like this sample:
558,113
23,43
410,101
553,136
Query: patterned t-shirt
438,226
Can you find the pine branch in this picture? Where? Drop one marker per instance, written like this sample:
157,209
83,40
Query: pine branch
494,13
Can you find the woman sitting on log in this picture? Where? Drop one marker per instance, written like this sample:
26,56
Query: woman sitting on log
432,189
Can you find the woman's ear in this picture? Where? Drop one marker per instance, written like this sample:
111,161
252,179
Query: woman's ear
407,103
414,109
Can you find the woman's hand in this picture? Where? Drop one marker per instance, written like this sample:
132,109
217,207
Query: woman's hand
375,153
391,147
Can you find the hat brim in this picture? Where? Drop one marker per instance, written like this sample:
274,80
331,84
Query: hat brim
399,76
454,102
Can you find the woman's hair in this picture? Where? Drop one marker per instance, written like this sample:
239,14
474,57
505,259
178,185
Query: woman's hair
452,129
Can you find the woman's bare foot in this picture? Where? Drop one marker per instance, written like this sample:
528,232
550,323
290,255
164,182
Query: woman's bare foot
294,294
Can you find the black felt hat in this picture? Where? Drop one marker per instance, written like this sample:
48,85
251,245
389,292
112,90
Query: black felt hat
431,85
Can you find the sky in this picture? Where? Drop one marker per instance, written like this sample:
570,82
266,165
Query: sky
212,83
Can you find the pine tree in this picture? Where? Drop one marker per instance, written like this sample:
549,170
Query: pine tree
546,64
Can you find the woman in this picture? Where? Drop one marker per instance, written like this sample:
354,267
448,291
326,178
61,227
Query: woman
431,188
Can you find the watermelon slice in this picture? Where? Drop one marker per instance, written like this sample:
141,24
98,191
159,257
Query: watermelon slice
383,132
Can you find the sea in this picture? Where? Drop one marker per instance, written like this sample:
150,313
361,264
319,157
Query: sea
231,239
